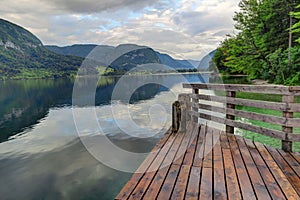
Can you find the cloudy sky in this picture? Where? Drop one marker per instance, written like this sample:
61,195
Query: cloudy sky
186,29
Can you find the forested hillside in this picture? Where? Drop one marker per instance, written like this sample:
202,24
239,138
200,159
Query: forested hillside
267,42
22,55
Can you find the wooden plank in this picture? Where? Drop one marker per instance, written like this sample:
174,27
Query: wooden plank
249,127
200,147
220,192
181,183
172,152
294,122
224,141
265,89
293,107
217,151
189,155
206,186
291,161
244,180
156,184
296,155
293,137
287,170
294,88
183,147
131,184
270,182
257,116
168,156
218,168
208,107
192,191
246,102
144,183
208,149
255,177
167,188
154,152
233,190
161,174
162,154
279,176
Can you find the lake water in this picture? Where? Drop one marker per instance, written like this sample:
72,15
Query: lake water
53,140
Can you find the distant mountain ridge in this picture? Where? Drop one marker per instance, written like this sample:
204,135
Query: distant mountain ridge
23,56
83,50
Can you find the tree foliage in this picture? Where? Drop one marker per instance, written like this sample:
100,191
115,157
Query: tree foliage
296,26
260,49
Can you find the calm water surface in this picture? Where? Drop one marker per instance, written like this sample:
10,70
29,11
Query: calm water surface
41,155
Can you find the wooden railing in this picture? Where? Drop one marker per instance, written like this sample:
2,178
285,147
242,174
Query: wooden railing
191,107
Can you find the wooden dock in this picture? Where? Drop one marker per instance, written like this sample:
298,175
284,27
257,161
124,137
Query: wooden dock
196,161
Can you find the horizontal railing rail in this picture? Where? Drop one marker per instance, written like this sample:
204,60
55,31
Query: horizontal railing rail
208,106
265,89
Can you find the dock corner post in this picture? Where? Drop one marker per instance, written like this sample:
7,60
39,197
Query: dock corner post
230,129
286,145
183,100
176,116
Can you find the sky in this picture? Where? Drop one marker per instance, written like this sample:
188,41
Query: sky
185,29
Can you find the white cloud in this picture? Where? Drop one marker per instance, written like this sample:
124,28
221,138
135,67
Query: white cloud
188,28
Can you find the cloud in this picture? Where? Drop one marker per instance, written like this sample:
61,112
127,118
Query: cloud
92,6
187,28
206,16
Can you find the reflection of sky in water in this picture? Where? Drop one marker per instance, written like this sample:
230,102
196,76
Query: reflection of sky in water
59,128
48,160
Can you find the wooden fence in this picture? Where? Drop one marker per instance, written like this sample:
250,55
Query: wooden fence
191,107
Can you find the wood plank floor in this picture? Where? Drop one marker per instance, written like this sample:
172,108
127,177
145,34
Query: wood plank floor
205,163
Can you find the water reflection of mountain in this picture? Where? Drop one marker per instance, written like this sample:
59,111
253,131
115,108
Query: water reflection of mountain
25,102
133,87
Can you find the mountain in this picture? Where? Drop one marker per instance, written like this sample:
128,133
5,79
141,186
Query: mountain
22,55
206,62
124,56
176,64
75,50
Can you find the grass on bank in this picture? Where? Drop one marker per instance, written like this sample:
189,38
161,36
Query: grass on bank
263,97
258,137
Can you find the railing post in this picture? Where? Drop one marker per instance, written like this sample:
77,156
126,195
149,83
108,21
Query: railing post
187,101
183,100
285,144
230,129
176,116
195,109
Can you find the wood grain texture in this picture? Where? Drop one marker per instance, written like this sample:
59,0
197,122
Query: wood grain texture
227,167
265,89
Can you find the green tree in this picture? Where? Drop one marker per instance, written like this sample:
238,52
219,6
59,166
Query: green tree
263,38
296,26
